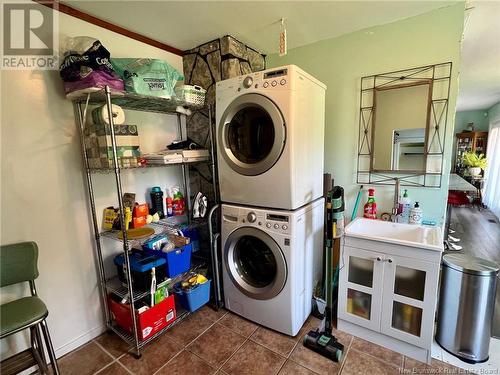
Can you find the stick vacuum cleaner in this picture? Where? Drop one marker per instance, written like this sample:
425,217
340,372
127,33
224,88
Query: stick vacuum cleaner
322,341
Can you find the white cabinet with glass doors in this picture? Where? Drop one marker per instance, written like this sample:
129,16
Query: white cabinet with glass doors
388,294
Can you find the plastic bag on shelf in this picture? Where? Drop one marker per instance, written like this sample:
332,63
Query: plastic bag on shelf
86,66
147,76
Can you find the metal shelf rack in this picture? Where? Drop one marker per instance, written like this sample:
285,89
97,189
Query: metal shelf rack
145,104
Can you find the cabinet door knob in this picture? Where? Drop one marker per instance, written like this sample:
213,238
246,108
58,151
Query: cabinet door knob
379,259
389,260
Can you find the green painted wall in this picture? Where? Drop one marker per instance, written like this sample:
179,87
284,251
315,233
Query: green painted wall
494,113
478,117
340,63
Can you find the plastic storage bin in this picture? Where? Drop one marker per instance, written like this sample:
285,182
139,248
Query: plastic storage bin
195,298
178,259
149,322
194,237
141,264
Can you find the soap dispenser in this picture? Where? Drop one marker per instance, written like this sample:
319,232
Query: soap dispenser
416,214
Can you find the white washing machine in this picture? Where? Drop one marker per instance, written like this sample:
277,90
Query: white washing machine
270,138
271,260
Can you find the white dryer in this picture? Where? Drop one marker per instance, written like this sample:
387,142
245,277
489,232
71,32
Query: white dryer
271,260
270,138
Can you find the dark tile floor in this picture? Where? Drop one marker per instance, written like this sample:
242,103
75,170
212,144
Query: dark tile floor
210,342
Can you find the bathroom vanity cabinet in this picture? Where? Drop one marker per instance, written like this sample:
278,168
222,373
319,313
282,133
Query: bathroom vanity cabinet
388,291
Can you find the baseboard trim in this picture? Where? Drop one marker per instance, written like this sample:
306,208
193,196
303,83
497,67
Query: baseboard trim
80,340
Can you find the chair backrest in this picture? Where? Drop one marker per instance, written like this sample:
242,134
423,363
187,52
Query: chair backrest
18,263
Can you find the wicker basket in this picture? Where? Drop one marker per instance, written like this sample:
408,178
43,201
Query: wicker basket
191,94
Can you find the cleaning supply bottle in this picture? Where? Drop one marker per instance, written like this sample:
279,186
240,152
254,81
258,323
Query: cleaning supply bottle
177,201
405,208
169,204
416,214
157,202
371,206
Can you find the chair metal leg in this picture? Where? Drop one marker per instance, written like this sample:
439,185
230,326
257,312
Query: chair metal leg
50,348
38,335
37,350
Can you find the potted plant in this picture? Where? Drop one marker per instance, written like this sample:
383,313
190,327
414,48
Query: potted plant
475,162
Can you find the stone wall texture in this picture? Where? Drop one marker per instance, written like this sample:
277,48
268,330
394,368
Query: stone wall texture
205,65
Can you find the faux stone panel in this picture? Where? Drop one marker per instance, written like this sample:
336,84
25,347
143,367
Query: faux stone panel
210,95
188,63
193,50
201,75
230,68
214,62
245,68
230,46
209,47
198,128
256,60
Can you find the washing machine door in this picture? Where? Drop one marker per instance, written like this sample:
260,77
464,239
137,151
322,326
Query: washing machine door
255,263
252,134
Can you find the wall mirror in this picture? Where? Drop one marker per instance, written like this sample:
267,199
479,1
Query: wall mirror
402,126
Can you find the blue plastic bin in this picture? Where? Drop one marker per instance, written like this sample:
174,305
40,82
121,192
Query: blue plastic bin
194,237
195,298
178,260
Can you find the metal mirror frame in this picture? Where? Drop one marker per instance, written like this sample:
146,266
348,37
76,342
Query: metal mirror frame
439,78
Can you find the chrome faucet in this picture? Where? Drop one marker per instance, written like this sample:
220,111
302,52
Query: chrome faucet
395,208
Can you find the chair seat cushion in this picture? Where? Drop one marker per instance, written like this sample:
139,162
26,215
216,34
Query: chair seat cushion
21,313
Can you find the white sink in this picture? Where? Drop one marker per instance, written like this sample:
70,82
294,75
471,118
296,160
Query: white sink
403,234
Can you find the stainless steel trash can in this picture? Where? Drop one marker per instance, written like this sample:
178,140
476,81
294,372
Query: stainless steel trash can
466,304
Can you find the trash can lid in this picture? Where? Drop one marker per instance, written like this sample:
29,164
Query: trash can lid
469,264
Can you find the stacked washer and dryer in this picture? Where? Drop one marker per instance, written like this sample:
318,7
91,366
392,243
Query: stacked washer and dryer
270,141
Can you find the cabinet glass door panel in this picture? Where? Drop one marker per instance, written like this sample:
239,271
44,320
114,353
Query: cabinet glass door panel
359,303
409,282
360,287
407,318
409,299
360,271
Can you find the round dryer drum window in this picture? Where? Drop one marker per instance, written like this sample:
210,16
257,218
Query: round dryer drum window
253,134
255,263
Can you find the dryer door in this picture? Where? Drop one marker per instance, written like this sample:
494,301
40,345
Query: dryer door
255,263
252,134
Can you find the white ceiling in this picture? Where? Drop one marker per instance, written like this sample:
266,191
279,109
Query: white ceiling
480,63
186,24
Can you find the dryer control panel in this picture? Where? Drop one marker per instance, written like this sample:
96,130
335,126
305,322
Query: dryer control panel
267,221
277,79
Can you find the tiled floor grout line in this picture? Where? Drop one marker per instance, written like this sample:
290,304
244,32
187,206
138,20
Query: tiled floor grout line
349,346
171,359
377,358
106,366
125,367
232,355
104,349
190,342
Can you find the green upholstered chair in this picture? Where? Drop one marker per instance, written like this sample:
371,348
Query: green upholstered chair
18,263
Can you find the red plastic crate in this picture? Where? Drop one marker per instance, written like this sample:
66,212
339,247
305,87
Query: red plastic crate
150,321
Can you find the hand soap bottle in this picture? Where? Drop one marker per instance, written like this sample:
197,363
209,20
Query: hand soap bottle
416,214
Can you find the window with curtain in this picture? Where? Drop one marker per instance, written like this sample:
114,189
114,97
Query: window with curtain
491,196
